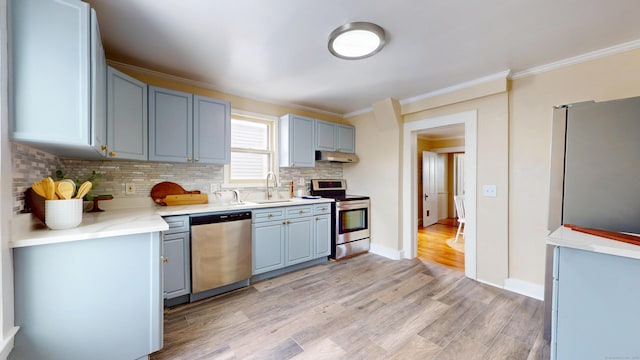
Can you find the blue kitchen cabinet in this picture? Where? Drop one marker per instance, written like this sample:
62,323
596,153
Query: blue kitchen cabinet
170,125
176,250
299,237
335,137
211,130
127,131
322,230
267,246
297,141
289,235
345,138
595,311
89,299
58,63
188,128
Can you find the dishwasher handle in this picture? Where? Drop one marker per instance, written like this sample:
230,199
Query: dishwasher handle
219,218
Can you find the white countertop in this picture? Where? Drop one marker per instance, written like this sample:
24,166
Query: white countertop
27,230
577,240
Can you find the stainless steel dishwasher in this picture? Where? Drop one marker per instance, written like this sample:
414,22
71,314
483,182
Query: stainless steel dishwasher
220,253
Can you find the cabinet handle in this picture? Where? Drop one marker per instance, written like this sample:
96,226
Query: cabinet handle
288,222
112,154
284,222
196,160
165,260
104,148
301,211
189,159
270,215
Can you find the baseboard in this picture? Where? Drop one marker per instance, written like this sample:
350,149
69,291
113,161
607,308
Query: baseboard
386,252
525,288
7,343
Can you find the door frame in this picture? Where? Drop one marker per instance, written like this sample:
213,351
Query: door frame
410,183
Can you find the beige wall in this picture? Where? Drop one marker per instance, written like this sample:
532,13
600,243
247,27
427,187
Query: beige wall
492,169
514,135
378,175
531,103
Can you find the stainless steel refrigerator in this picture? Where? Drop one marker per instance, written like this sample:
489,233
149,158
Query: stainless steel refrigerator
595,172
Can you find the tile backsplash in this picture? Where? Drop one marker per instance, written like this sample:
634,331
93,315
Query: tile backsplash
30,164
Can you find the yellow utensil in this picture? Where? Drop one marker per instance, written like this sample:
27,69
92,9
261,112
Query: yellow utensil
64,190
38,189
49,188
83,189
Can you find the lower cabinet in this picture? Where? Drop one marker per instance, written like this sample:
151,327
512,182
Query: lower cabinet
91,299
595,311
176,250
289,235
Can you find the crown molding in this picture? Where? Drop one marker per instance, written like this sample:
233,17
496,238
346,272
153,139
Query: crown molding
616,49
205,85
358,112
467,84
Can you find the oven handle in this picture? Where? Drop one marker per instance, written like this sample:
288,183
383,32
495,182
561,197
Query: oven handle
350,205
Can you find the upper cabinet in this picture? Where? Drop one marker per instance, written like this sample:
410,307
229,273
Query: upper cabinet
335,137
188,128
126,117
58,77
297,138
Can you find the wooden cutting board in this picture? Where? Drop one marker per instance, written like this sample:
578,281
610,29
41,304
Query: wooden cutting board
629,239
160,191
186,199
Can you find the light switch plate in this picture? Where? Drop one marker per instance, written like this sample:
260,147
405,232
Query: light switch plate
489,191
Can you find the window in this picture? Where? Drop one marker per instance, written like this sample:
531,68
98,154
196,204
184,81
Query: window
252,149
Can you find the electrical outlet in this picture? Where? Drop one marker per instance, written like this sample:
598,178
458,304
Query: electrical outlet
130,188
489,191
214,187
301,181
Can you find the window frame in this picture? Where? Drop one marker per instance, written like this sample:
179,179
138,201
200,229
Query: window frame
272,122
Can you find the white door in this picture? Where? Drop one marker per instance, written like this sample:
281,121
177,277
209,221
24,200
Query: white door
458,176
429,196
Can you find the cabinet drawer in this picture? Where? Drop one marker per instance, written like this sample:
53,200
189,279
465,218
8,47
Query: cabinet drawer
299,211
321,209
177,224
271,214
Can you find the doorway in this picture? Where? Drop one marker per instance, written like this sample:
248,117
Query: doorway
410,182
440,177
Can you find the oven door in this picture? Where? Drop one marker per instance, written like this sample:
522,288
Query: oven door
352,220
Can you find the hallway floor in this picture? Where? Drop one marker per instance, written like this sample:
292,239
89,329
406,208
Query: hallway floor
433,248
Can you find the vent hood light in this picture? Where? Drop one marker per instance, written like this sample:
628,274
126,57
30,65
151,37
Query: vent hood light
357,40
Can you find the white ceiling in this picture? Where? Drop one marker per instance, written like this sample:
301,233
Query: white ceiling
276,50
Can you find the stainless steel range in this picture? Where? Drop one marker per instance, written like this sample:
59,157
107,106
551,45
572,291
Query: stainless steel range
351,218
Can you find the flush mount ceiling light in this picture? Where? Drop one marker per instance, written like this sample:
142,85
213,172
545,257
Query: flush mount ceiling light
356,40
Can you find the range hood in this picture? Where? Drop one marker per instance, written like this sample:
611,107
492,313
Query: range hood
333,156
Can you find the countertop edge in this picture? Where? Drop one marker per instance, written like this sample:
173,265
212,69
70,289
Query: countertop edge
566,237
27,230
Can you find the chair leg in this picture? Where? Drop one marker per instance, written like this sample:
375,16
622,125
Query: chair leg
458,232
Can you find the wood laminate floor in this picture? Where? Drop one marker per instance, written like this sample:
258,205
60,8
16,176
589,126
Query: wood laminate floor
366,307
433,248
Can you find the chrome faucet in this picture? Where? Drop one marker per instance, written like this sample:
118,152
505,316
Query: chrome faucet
236,195
275,183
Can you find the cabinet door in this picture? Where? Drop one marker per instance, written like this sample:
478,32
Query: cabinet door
267,247
297,141
170,125
98,89
299,240
127,117
50,71
595,305
346,138
177,265
211,130
322,235
325,136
